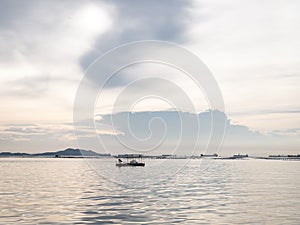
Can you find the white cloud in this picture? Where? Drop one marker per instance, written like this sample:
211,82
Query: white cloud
251,47
49,44
151,87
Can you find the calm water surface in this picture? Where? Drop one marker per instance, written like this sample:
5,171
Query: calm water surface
68,191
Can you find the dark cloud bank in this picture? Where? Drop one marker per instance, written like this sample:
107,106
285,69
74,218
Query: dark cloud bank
168,131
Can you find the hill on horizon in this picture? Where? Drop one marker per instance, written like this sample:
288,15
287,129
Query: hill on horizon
69,152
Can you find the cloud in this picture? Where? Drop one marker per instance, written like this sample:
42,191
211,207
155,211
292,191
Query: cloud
30,87
252,47
293,133
38,41
40,49
35,137
139,20
163,130
151,86
33,86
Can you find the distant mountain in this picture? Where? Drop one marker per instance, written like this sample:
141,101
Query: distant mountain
10,154
69,152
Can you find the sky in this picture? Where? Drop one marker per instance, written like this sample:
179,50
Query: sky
251,48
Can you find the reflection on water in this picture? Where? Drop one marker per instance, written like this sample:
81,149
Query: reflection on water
67,191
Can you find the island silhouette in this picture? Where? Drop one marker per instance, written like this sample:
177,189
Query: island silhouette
69,152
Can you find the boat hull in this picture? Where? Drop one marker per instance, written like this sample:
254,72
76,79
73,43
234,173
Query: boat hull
130,164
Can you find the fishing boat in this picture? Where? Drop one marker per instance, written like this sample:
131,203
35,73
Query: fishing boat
133,162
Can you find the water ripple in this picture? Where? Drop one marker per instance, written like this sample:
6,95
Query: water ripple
66,191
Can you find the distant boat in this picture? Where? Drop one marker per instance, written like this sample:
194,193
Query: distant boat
238,156
209,155
133,162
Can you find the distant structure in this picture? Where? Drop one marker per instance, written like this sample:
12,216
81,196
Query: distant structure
129,156
209,155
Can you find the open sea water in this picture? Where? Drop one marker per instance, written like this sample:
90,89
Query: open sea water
95,191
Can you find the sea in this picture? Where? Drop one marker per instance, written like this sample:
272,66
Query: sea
174,191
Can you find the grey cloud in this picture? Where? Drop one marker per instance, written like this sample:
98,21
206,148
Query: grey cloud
11,10
145,125
237,137
139,20
143,129
153,19
134,20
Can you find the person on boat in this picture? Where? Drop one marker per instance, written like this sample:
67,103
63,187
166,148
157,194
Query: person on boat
133,161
